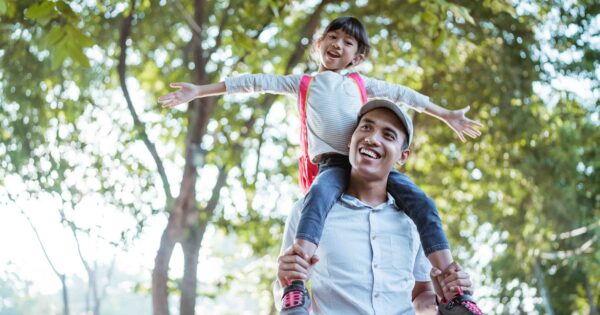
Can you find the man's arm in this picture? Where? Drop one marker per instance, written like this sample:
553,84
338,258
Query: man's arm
424,299
289,234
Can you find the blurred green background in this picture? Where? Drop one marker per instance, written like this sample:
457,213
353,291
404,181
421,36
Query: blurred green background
113,205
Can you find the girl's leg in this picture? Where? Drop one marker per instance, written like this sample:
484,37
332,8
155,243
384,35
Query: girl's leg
421,209
423,212
328,186
332,180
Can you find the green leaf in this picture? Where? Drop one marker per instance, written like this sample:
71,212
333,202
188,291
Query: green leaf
416,19
58,54
464,13
78,36
3,7
55,34
75,51
66,10
41,12
429,17
440,39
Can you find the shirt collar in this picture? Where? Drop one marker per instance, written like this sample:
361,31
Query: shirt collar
356,203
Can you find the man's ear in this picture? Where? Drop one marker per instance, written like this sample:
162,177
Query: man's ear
403,157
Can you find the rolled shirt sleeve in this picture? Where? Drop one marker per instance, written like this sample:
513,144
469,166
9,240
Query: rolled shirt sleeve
422,267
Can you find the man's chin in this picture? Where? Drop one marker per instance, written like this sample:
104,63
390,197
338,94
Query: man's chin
369,172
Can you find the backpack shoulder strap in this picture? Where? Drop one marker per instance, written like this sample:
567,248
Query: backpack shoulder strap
308,171
361,85
304,85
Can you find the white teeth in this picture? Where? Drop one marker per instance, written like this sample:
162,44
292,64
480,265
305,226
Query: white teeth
369,153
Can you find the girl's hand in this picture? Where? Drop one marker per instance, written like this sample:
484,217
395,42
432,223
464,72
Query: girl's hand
460,124
186,93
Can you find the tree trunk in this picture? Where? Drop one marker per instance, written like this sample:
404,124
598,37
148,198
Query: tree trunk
589,293
184,215
189,284
160,274
65,296
95,296
539,275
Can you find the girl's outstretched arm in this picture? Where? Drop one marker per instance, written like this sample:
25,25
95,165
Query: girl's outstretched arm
456,120
247,83
187,92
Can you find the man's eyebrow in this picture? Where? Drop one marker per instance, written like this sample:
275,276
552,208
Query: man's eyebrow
368,120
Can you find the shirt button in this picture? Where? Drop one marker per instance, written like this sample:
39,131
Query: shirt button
376,294
373,237
375,266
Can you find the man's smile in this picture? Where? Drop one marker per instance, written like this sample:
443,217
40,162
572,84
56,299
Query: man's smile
369,153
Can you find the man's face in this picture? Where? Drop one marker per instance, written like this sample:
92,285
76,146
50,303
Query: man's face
376,144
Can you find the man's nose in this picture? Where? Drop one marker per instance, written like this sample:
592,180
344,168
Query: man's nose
373,139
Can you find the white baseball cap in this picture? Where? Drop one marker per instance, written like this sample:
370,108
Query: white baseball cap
395,108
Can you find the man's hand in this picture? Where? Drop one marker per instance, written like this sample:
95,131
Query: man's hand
186,93
462,125
292,265
446,284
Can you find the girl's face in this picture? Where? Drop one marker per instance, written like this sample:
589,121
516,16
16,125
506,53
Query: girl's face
338,50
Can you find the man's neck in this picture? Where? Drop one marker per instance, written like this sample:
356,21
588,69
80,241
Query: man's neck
372,193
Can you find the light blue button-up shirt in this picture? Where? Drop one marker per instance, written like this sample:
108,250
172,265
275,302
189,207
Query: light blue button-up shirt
370,258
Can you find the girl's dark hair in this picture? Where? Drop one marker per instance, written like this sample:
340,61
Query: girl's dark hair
353,27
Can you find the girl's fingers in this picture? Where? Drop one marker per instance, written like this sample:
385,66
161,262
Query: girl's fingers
176,85
167,97
476,123
470,134
475,130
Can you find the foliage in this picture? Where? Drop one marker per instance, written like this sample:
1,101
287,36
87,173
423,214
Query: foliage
66,130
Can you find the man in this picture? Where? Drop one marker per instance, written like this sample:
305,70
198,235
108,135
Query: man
385,270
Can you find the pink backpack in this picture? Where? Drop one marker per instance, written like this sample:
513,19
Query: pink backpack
308,170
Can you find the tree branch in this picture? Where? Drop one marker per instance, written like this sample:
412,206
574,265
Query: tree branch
61,276
307,32
570,253
37,235
220,34
216,192
189,19
574,232
139,126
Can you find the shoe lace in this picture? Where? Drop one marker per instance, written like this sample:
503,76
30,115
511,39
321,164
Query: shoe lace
472,307
293,298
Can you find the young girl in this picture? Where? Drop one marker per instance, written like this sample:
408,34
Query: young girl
329,103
